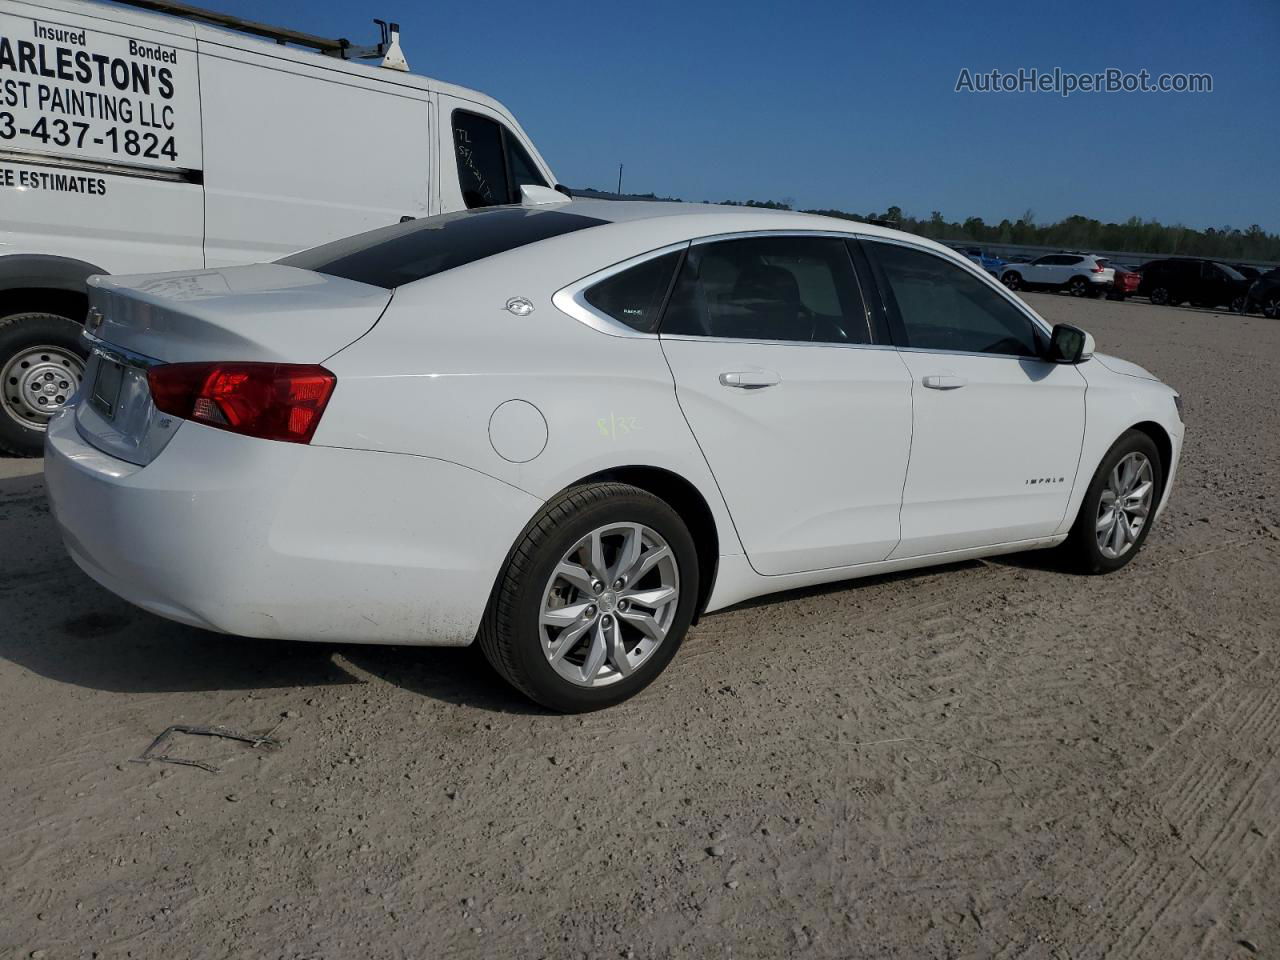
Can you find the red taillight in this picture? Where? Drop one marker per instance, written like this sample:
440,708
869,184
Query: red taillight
1098,268
274,401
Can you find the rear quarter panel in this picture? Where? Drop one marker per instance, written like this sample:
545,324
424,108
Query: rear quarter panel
429,377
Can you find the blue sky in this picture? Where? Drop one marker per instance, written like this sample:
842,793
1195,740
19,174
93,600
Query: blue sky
852,105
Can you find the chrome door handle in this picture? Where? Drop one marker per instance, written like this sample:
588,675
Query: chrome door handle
749,379
944,382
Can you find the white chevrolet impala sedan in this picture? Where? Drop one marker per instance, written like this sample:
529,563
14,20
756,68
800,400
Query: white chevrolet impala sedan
570,429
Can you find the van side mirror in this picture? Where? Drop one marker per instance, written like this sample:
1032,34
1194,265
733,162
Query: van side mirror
1069,344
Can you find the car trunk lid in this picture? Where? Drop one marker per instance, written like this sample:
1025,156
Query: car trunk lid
264,313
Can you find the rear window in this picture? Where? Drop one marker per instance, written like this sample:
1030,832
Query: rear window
404,252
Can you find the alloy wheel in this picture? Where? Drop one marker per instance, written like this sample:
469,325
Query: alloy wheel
1271,308
1078,287
1125,505
37,382
609,604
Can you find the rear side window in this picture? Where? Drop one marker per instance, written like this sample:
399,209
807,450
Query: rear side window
492,164
790,288
634,296
404,252
941,306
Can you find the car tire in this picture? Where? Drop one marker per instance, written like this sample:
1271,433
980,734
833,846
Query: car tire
36,349
1271,307
1012,279
1239,304
1078,286
1097,543
522,631
1160,296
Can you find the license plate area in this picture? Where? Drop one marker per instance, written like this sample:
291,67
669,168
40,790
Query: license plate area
105,395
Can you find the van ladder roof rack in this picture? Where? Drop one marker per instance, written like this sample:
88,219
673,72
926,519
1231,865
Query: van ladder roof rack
387,49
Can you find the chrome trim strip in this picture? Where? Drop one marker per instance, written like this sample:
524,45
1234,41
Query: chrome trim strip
691,338
137,170
572,299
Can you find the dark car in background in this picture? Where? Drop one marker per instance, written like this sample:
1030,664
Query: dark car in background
1264,294
1249,273
1202,283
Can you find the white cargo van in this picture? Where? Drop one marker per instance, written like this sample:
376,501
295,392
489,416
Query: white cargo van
135,142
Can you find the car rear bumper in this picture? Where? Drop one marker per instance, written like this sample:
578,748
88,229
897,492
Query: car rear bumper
282,540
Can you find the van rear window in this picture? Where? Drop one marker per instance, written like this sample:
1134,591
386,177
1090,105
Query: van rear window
404,252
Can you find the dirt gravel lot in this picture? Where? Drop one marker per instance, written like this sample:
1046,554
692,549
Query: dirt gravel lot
991,759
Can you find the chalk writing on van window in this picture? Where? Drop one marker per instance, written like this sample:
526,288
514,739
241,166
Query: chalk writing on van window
463,139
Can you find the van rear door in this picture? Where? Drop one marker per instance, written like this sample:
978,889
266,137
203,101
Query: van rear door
100,148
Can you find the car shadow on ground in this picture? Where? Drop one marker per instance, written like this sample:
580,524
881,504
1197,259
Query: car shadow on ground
57,623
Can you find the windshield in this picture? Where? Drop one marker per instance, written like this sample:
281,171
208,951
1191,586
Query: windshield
404,252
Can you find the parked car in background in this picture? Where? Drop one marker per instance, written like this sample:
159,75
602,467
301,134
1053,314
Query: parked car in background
987,261
1264,294
1246,271
567,429
1126,282
1080,274
1202,283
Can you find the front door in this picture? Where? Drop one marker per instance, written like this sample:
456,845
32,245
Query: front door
806,424
996,431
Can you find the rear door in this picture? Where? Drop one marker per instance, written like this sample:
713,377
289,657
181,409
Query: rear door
996,431
804,419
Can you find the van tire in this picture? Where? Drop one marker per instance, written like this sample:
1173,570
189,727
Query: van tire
22,335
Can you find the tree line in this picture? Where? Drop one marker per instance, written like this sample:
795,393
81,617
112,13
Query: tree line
1075,233
1134,235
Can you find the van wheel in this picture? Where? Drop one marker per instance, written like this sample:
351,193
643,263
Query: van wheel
595,599
1160,296
41,366
1118,507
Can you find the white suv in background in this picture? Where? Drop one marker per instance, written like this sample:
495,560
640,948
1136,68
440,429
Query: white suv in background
1080,274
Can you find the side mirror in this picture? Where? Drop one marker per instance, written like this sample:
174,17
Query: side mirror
1069,344
532,196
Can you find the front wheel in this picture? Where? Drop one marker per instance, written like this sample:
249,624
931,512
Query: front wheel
1012,280
1160,296
41,366
1238,304
1118,506
1271,307
595,599
1078,287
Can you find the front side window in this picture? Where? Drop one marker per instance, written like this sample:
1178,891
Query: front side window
634,296
492,164
941,306
768,288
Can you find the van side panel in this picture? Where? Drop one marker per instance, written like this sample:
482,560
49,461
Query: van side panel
100,149
296,155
